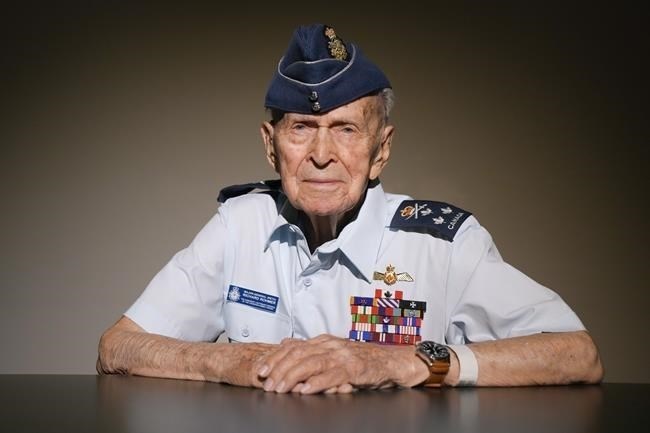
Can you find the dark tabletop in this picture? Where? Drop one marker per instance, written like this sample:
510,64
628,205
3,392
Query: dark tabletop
56,403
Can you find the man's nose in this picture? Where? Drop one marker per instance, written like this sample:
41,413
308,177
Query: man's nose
322,152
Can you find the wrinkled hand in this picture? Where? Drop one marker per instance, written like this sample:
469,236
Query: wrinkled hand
235,363
331,364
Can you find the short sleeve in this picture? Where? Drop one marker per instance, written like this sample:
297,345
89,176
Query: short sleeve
185,299
488,299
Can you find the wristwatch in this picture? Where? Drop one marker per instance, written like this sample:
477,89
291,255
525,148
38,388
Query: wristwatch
436,356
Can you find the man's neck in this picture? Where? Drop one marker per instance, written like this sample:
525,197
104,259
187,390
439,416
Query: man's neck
321,229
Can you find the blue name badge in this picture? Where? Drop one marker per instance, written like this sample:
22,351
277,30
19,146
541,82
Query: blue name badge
251,298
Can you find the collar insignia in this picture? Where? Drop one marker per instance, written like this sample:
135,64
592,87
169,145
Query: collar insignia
390,277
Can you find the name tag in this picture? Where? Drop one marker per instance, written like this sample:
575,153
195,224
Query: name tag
251,298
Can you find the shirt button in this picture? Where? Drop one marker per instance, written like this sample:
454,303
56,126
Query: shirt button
307,282
245,332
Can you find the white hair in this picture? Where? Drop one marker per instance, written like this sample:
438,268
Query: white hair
388,99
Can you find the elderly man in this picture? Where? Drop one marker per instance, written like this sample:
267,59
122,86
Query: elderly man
329,284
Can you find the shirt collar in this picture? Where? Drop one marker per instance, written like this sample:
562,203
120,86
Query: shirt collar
287,219
361,238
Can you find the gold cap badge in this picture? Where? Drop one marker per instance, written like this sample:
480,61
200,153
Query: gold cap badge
336,45
390,276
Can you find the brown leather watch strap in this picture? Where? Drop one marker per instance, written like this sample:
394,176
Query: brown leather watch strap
436,358
437,373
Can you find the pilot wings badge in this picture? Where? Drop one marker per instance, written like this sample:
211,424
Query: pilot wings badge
390,277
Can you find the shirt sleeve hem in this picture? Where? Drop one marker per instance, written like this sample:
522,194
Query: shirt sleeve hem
152,320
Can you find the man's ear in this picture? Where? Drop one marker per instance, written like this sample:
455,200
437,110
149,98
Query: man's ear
267,137
383,152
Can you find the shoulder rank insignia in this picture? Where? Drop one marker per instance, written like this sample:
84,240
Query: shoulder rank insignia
391,277
247,188
442,220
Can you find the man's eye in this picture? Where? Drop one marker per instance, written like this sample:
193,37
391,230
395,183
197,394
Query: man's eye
299,126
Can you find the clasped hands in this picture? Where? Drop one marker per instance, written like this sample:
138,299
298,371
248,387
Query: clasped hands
335,365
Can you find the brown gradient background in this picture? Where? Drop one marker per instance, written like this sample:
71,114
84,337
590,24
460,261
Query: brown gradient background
120,123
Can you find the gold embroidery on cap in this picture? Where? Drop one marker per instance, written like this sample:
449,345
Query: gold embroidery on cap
336,45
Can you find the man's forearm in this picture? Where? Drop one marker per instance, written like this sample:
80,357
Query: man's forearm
540,359
126,349
142,354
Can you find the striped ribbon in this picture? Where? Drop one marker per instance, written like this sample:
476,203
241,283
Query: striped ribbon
385,311
388,329
386,320
381,337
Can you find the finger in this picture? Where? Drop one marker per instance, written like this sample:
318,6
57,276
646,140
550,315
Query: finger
297,388
297,365
265,364
296,369
346,388
332,378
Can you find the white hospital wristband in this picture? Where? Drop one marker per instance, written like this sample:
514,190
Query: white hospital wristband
467,365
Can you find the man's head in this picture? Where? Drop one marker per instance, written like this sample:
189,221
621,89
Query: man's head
329,133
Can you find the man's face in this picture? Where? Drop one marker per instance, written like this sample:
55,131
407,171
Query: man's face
326,160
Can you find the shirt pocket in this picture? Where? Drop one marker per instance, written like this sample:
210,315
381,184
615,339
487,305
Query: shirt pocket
245,324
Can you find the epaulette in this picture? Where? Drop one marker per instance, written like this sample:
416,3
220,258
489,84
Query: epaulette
269,186
441,220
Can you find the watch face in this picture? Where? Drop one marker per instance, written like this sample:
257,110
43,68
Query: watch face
435,350
440,351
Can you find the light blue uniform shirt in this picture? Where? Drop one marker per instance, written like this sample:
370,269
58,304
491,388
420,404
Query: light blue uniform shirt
470,292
